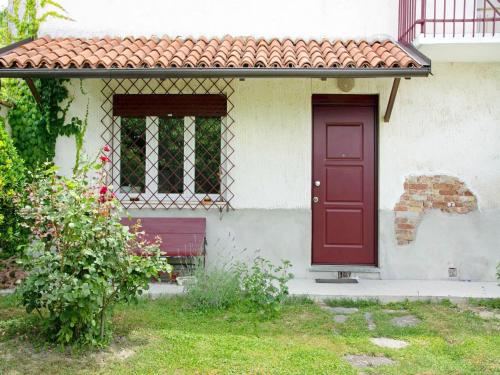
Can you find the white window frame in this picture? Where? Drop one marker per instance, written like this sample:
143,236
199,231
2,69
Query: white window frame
151,168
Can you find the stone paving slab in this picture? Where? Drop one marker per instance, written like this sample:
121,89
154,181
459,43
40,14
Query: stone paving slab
485,314
369,321
385,342
405,321
342,310
391,311
340,318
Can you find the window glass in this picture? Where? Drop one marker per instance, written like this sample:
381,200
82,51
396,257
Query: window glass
208,155
171,155
133,154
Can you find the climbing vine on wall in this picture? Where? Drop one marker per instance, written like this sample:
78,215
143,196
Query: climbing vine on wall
35,128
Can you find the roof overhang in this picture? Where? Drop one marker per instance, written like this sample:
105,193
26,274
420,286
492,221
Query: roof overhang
133,58
54,58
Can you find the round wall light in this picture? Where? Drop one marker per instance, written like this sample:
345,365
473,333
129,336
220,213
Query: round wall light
345,84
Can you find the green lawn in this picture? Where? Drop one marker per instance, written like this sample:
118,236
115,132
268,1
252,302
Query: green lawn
161,337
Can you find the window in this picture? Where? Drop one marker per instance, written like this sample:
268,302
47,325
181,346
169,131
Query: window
171,158
133,155
171,140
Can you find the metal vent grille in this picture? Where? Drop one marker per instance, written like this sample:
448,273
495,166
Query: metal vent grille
170,162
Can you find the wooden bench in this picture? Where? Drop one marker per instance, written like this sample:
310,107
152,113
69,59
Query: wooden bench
182,239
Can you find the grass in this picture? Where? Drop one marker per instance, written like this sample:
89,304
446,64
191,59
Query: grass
493,303
161,336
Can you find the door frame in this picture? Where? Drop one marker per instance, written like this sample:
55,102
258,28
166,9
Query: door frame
350,100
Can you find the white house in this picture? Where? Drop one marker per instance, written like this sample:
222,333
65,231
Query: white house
315,131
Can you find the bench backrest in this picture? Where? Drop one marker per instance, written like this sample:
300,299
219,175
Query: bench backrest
181,237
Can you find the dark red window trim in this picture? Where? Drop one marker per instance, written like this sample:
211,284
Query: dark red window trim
178,105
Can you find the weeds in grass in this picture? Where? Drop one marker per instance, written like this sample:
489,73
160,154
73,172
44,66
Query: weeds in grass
298,301
265,285
447,303
347,302
493,303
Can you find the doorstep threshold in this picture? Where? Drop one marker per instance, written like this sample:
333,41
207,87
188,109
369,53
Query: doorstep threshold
343,268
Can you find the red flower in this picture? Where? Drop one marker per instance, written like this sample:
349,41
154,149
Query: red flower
102,199
106,148
104,159
104,190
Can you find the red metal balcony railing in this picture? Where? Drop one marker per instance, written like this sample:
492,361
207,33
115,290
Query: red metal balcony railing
448,18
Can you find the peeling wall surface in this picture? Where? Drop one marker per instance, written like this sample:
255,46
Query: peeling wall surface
424,193
447,124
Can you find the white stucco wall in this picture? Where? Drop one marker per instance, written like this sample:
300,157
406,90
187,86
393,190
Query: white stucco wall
447,123
268,18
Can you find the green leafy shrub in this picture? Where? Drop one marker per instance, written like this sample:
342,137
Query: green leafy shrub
81,260
216,289
12,179
265,285
262,287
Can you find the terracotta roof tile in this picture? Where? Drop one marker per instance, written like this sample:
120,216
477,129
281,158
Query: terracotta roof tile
228,52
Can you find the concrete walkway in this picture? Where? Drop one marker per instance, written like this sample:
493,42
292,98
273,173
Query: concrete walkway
383,290
397,290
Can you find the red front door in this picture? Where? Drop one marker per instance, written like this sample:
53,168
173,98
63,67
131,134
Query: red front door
343,185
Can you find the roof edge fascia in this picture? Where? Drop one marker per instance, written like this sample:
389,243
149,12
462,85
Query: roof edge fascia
423,71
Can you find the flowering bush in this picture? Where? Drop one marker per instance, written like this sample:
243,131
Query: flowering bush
81,260
12,177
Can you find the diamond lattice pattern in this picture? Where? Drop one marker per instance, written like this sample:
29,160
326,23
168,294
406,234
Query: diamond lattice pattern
170,162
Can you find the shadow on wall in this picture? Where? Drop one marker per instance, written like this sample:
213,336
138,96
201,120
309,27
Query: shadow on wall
422,193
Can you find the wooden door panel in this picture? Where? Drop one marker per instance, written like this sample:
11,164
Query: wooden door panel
348,224
344,141
344,159
344,183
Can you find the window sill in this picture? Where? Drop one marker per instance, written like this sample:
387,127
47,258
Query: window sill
157,204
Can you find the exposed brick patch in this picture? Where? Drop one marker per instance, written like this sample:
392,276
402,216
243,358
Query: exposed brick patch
422,193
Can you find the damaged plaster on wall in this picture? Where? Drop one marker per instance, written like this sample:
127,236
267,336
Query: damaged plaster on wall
422,193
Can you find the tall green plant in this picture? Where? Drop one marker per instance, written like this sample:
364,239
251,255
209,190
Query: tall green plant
12,179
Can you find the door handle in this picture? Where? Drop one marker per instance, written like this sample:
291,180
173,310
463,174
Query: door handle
317,183
315,199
